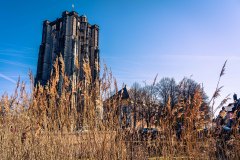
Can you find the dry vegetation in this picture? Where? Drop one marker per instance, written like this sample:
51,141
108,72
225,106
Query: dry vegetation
45,124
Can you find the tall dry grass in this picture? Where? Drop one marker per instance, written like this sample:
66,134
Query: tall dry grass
63,121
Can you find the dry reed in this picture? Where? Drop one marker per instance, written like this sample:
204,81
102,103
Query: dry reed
46,124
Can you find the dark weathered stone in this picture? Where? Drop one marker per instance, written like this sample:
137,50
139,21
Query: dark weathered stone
73,37
77,41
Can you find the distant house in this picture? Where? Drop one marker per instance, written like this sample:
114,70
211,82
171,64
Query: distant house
118,109
229,107
129,112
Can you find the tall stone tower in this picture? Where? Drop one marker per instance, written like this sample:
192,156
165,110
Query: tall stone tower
74,38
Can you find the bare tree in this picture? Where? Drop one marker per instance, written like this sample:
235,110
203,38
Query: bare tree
166,88
135,94
187,89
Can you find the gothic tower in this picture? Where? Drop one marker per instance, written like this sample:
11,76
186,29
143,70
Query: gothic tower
74,38
77,41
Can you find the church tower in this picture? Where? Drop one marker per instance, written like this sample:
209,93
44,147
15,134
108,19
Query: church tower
76,40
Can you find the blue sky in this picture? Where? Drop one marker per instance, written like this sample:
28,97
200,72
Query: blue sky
138,38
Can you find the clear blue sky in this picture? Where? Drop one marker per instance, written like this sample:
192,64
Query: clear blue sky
138,38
